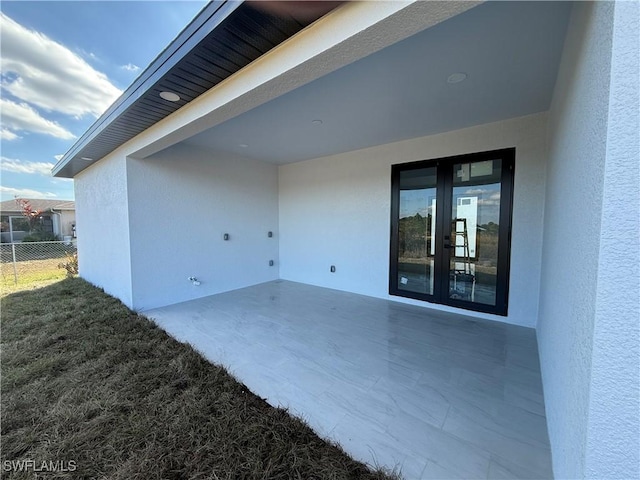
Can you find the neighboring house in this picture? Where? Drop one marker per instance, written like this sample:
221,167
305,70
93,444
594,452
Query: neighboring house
58,218
248,124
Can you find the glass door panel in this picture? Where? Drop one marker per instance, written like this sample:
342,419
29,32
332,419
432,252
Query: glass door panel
416,231
450,230
474,234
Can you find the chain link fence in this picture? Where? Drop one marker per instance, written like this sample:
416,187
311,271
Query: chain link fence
29,262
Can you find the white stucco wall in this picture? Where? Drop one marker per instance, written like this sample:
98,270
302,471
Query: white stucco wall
613,434
336,211
102,213
63,222
67,220
588,326
182,201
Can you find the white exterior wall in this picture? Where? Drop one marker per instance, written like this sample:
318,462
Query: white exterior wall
336,211
613,435
67,220
345,35
102,212
182,201
588,326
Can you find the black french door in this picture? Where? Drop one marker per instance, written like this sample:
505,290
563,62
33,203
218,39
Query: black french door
451,229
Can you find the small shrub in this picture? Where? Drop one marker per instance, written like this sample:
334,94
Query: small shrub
71,265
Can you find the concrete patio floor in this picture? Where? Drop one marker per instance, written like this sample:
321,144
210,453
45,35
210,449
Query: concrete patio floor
435,394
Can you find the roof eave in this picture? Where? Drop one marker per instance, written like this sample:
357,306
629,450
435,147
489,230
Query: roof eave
204,23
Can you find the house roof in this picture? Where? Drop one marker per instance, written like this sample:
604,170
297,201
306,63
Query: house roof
223,38
10,206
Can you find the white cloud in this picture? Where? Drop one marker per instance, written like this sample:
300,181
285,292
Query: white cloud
494,199
22,117
49,75
58,157
26,193
19,166
488,203
7,134
130,67
477,191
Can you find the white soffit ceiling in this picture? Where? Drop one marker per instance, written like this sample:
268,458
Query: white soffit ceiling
510,52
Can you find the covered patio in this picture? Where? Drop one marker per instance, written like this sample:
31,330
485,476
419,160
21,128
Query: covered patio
435,394
286,164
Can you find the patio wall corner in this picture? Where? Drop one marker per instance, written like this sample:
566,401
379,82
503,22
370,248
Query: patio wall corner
182,202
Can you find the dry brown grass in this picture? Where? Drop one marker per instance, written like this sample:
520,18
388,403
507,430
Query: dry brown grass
86,380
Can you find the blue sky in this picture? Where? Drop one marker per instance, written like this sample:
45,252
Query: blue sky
63,64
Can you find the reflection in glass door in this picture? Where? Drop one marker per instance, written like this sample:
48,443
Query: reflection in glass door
451,220
416,230
475,222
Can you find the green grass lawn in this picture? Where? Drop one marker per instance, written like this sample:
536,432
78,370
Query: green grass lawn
30,274
104,392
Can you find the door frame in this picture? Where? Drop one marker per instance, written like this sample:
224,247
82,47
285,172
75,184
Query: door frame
443,213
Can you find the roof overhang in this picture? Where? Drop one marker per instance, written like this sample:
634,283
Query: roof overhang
341,37
222,39
261,101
